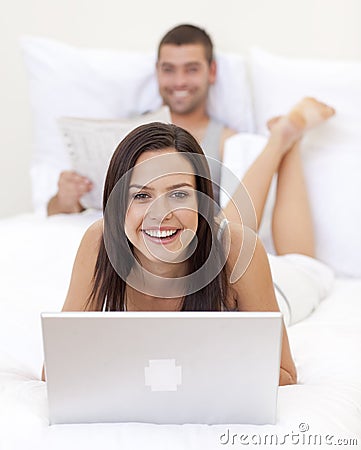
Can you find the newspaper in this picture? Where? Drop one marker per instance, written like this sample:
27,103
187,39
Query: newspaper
91,144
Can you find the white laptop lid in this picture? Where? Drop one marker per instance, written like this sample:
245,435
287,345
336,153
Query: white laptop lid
182,367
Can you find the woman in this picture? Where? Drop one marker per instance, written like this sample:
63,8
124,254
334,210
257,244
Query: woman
159,246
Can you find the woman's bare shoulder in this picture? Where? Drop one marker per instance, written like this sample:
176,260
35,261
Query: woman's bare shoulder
241,248
95,229
89,245
93,235
81,282
235,239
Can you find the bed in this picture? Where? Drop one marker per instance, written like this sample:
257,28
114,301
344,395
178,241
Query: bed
37,258
324,408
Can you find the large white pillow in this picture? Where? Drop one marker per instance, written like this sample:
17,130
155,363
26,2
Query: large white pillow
69,81
331,152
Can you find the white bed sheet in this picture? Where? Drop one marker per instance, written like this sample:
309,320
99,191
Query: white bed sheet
35,265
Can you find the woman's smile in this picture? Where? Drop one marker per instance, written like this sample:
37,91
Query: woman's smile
162,235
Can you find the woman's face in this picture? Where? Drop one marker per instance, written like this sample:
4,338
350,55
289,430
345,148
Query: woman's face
162,214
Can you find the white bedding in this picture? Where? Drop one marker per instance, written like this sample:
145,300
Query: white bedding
35,263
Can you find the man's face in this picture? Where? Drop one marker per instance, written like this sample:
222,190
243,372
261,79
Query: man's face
184,77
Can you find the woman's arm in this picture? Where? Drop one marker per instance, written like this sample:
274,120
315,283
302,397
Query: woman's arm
254,292
81,281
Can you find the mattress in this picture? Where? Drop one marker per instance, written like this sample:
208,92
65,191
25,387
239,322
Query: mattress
36,258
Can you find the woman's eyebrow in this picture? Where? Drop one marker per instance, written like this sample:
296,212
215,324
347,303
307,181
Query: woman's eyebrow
140,186
174,186
179,185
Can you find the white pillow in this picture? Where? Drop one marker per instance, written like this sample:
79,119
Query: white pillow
98,83
331,152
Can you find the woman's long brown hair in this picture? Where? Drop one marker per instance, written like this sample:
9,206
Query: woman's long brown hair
109,287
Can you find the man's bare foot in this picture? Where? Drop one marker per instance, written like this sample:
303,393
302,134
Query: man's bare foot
310,112
287,130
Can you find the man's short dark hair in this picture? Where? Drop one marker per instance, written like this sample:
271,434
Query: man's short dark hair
188,34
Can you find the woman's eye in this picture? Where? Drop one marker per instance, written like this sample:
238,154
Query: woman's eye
180,195
140,196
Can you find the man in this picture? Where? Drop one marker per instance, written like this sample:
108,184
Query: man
185,71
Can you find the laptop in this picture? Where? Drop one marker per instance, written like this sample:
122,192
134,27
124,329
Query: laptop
162,367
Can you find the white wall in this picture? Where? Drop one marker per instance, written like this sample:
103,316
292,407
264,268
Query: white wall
308,28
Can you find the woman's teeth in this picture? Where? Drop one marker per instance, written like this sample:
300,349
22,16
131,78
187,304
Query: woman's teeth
160,233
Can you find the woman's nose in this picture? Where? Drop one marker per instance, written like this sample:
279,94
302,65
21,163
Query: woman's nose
160,209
